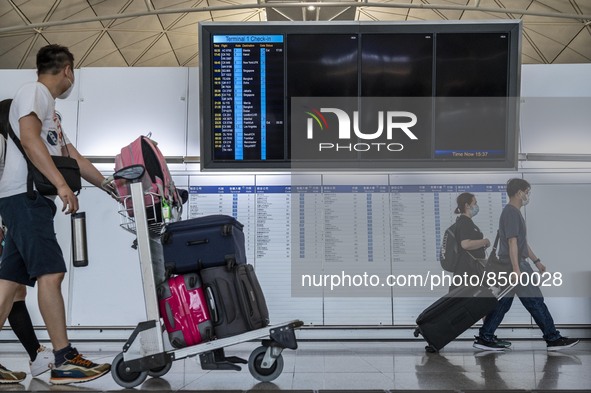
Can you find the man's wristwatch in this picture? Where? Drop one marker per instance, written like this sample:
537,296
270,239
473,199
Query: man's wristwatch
537,260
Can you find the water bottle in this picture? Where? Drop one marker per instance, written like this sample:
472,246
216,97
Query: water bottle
166,211
79,250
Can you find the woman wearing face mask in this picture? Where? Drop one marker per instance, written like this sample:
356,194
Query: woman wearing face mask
469,237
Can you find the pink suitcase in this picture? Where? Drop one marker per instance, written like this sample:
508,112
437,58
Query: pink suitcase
184,310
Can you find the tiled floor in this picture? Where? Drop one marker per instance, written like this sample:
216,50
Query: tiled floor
339,366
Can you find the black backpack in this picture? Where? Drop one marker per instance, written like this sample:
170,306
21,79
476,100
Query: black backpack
449,253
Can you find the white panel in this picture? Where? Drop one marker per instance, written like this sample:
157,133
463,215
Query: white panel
557,125
561,240
555,80
193,112
570,310
108,292
12,80
554,114
119,104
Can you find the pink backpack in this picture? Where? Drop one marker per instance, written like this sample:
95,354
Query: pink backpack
143,151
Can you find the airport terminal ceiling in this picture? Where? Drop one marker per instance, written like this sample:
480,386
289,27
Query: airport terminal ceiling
163,33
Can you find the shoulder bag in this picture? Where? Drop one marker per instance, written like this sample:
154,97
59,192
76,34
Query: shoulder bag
67,166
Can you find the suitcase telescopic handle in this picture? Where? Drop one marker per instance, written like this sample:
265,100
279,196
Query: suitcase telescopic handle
197,242
169,315
212,306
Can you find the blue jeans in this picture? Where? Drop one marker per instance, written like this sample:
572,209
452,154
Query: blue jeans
533,301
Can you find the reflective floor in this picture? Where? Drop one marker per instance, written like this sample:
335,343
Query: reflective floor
360,366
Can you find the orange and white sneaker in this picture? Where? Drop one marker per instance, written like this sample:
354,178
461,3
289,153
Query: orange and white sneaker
77,369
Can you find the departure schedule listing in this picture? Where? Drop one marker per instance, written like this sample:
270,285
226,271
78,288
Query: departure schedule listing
246,87
365,240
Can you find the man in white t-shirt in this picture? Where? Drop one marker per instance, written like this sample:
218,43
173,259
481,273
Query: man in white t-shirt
32,253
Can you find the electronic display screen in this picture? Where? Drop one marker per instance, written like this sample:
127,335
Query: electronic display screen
247,97
281,96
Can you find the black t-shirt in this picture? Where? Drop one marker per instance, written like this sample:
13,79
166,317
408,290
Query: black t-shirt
467,230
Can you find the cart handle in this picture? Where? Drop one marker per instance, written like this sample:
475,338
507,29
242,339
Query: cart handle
130,173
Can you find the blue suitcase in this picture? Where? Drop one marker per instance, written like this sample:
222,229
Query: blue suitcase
203,242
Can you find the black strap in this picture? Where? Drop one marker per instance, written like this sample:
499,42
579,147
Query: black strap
494,249
17,142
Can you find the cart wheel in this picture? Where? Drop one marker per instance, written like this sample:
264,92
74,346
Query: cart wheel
123,377
260,373
160,371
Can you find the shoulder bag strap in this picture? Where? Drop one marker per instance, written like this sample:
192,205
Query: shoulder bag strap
496,243
17,142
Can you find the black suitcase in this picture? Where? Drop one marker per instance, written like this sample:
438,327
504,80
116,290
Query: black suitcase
235,299
454,313
203,242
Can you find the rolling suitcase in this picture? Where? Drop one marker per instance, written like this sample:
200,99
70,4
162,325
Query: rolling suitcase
454,313
236,300
184,309
203,242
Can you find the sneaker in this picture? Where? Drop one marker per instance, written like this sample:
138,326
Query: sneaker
480,343
77,369
562,343
7,376
43,362
503,343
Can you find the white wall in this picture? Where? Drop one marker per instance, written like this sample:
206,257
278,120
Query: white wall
112,106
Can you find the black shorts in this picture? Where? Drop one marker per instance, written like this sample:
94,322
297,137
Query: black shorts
31,249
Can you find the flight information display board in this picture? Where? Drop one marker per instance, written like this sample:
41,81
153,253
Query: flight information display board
248,97
365,96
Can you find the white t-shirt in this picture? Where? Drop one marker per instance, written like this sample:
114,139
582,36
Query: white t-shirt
34,97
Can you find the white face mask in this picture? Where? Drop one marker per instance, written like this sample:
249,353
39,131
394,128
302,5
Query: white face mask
66,93
524,198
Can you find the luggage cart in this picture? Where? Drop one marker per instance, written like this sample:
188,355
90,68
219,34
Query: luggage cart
148,352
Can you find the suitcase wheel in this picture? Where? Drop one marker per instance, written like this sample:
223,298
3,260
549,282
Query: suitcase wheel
430,349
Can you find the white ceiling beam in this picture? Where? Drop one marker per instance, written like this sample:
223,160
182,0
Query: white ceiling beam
579,17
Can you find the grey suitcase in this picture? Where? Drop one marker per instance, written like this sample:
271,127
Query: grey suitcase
235,298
